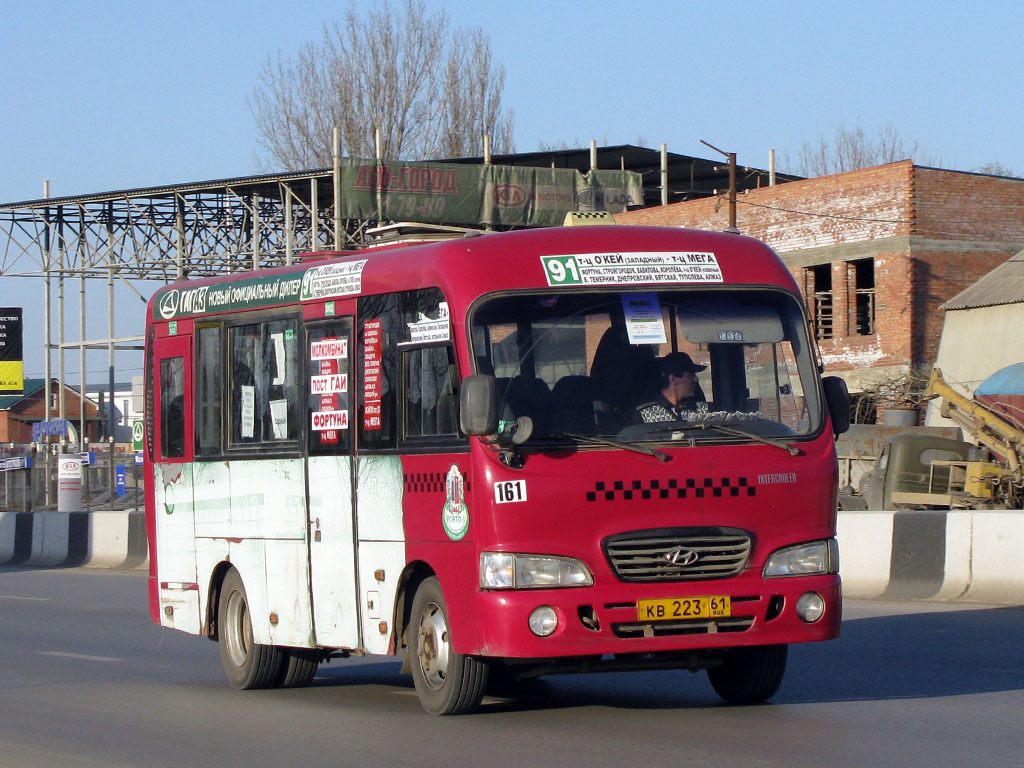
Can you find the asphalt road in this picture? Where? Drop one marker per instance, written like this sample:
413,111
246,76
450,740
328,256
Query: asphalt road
86,680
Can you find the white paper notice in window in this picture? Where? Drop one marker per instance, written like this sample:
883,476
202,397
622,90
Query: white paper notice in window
248,393
644,323
279,418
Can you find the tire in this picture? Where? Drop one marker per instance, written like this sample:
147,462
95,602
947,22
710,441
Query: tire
750,675
447,683
298,667
247,664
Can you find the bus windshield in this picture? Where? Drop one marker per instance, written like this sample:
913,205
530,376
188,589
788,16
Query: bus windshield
673,364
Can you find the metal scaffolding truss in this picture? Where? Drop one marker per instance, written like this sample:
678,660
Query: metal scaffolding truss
202,229
160,234
163,233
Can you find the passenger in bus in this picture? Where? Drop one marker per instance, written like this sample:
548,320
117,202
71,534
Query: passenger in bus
679,396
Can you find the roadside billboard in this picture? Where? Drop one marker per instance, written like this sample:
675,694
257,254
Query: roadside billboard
12,380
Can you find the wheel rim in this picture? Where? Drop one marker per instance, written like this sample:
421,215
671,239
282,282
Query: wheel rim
237,628
433,647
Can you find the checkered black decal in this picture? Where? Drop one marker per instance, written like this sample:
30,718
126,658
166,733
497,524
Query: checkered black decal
690,488
426,482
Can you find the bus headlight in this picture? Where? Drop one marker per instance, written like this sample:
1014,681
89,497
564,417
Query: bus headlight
817,557
506,570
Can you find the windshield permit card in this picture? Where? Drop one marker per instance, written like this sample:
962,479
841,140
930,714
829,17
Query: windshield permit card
644,323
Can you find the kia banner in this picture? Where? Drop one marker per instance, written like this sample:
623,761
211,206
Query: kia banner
479,195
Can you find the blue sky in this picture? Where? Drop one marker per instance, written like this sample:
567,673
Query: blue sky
98,96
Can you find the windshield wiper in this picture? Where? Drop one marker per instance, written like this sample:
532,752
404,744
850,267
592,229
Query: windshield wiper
683,426
659,455
790,449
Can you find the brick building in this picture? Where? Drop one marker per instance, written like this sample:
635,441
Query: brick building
19,412
876,252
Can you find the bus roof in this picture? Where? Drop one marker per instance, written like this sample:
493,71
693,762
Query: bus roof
611,256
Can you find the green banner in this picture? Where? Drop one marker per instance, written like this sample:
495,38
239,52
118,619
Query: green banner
480,195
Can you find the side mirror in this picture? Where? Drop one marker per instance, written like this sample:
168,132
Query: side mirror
478,405
837,398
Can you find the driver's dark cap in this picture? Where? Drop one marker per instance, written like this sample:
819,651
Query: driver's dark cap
678,363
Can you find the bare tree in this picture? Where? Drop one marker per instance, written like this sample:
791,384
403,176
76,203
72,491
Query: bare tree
382,71
471,103
563,145
853,148
994,169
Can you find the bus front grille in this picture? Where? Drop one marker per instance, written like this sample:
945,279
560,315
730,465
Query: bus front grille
688,627
678,554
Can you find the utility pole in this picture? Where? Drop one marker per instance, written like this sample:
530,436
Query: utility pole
732,186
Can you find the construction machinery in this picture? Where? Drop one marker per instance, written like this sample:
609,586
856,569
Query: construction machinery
973,480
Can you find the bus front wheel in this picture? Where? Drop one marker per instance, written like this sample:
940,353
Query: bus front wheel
247,664
447,683
749,675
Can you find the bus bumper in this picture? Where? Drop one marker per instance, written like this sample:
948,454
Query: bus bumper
594,621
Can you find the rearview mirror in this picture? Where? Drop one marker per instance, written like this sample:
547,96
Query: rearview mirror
478,405
837,398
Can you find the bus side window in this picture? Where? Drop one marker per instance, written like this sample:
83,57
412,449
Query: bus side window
172,408
430,407
244,347
209,382
265,383
279,377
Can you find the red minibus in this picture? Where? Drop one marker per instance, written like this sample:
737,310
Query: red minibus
498,456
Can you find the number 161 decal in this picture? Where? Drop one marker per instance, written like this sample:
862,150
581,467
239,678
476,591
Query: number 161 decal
512,490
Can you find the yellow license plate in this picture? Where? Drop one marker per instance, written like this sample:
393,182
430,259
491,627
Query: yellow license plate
666,609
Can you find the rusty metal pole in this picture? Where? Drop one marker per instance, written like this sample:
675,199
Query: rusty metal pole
336,181
732,192
664,174
732,185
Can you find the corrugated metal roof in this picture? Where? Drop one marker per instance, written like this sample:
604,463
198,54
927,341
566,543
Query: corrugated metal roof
688,176
1003,285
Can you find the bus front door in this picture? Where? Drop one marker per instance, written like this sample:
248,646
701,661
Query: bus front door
173,488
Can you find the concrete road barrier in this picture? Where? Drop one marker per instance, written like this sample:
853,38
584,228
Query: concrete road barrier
66,539
933,555
905,555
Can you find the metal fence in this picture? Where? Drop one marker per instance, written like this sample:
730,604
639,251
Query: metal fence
34,488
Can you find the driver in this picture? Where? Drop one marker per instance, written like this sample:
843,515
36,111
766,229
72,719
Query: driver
679,394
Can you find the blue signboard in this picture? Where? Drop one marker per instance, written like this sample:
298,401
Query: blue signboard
119,475
54,427
18,462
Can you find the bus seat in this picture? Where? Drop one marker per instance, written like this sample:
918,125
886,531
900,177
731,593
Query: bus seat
616,371
530,396
573,401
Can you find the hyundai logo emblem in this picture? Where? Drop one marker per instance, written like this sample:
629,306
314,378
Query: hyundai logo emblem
681,556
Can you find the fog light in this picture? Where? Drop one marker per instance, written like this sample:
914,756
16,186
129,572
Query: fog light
810,607
543,621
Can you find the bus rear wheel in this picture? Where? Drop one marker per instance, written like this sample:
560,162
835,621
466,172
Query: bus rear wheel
247,664
750,674
298,667
447,683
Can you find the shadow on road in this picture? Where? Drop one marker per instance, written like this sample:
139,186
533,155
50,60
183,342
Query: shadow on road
909,656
